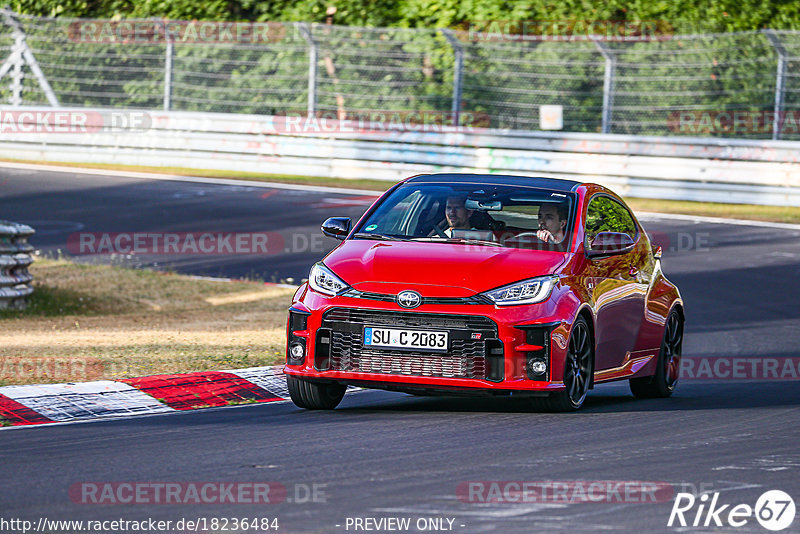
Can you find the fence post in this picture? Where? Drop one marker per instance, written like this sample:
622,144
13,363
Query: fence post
305,31
458,70
168,56
22,54
780,80
13,64
17,75
608,84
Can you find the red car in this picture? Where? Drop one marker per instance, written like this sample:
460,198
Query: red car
486,284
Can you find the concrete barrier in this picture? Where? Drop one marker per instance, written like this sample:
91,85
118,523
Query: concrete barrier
699,169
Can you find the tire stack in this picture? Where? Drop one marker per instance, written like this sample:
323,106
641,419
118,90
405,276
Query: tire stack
15,258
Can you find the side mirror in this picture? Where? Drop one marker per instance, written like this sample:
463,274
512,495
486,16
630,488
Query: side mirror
657,252
610,243
337,227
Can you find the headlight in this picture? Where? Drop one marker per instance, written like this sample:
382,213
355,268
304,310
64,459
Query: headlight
323,280
525,292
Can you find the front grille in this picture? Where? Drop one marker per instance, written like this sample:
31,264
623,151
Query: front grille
410,319
383,297
466,358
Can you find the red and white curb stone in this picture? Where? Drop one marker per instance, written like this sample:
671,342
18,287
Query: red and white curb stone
60,403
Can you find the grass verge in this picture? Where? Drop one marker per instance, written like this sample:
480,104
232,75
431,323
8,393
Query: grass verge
90,322
706,209
782,214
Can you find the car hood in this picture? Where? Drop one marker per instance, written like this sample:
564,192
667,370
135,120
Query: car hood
436,269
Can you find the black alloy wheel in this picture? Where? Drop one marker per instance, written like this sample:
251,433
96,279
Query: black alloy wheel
663,382
578,370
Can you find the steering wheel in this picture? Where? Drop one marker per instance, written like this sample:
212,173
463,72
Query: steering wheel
439,231
523,237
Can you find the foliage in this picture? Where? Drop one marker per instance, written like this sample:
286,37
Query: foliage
685,16
607,215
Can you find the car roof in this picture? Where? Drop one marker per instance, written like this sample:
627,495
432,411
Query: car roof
555,184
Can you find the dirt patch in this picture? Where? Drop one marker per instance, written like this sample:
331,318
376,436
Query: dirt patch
101,322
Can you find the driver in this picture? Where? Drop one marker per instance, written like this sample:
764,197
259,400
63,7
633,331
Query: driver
457,215
552,223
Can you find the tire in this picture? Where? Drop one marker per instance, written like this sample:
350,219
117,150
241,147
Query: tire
313,395
663,382
578,370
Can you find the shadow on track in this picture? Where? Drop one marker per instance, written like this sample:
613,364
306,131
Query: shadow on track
692,395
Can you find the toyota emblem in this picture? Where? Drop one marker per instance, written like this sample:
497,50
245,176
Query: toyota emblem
409,299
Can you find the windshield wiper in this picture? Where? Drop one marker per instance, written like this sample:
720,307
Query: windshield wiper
382,237
464,240
474,242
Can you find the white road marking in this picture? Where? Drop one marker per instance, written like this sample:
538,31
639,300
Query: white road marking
192,179
324,189
485,510
767,463
729,467
645,215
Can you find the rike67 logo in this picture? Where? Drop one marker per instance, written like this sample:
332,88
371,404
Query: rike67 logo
774,510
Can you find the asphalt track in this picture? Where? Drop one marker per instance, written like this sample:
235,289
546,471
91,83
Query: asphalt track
391,455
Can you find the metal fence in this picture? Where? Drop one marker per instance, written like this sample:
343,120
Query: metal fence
743,85
15,258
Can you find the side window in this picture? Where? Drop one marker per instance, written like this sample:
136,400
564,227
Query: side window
605,214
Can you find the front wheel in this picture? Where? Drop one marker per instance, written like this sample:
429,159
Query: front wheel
577,373
313,395
663,383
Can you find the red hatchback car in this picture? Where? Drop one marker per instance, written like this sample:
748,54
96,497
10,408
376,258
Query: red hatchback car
486,284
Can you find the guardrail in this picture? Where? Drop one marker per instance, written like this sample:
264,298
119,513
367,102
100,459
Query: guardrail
699,169
15,258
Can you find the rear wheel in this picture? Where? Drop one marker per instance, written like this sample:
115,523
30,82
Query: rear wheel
313,395
577,373
663,383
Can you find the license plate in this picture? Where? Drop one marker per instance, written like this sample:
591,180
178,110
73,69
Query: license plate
397,338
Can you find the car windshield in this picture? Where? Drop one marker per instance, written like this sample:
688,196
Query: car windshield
487,215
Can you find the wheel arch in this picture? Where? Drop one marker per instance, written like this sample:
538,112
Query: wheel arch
678,306
587,314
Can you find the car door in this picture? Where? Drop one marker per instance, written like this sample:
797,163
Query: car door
613,282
